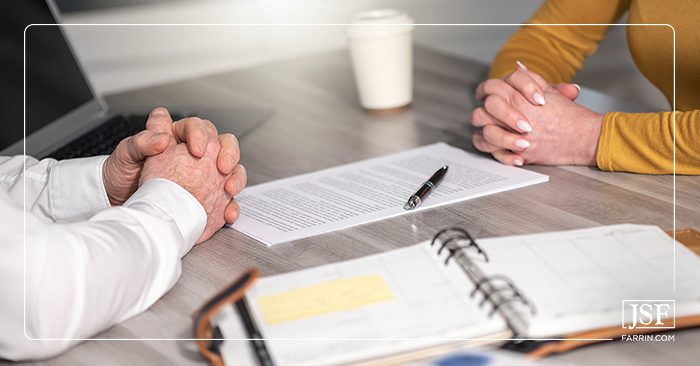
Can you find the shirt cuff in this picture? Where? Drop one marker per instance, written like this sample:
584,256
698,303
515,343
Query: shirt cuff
175,202
76,189
605,143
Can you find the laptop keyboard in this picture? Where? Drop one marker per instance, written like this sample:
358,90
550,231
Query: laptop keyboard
103,139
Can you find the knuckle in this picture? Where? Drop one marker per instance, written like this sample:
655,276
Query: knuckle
493,134
210,127
159,111
190,122
501,156
498,84
140,137
491,102
476,140
519,78
477,115
125,141
243,179
530,87
495,86
510,78
123,144
519,102
235,210
490,85
487,132
196,133
512,116
231,137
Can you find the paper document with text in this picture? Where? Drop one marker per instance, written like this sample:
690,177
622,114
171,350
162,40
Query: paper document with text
370,190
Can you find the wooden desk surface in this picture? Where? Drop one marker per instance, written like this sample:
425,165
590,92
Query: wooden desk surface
318,124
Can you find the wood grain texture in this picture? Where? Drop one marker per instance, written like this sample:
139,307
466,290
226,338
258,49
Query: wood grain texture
318,124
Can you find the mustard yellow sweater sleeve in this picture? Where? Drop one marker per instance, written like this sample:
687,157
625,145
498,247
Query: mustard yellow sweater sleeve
643,142
631,142
557,52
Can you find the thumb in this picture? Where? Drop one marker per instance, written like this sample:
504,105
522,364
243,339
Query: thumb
570,91
135,149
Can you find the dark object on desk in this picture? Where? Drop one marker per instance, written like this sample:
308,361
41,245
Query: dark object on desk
427,188
256,338
233,295
103,139
60,103
206,342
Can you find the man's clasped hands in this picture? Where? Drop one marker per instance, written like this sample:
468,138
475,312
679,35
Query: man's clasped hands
189,152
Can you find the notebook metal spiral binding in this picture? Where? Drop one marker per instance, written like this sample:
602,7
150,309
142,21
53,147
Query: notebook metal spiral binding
510,289
497,290
455,234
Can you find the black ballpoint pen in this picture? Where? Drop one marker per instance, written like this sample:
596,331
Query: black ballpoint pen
256,339
427,188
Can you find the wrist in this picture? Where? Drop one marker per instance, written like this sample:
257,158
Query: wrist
107,179
165,198
118,182
590,148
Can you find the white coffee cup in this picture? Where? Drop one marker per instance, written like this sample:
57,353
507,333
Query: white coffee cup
382,58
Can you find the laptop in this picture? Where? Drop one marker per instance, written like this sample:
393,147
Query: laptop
65,118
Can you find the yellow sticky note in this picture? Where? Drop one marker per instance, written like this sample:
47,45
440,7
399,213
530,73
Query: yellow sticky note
323,298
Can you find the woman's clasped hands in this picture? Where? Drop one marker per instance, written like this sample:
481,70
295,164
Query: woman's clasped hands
526,120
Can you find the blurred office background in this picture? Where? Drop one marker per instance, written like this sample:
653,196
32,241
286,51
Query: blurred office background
125,58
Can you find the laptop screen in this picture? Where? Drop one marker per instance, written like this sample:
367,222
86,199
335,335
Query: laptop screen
54,82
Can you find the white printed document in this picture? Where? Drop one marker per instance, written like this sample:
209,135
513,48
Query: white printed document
375,189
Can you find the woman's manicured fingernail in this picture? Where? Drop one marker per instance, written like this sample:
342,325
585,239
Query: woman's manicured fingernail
522,143
517,162
539,98
577,87
520,65
523,125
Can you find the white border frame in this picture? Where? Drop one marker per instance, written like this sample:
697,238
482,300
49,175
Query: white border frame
24,315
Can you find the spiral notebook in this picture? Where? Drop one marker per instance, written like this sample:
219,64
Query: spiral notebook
454,291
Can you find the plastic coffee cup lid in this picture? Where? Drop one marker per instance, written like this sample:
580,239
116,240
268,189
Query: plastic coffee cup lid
380,23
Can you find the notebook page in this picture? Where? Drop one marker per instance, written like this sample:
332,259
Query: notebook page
578,279
401,294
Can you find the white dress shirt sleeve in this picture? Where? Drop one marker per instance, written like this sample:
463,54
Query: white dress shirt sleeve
58,191
84,276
